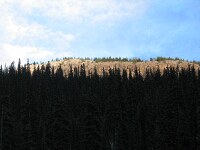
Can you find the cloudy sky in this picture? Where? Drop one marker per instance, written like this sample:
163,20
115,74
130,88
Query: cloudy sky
42,30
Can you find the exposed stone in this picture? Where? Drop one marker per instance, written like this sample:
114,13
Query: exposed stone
142,66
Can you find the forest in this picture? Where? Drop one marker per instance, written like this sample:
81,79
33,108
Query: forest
44,110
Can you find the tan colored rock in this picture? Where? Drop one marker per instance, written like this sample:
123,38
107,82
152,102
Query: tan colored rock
142,66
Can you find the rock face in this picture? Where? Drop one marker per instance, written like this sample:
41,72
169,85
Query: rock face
128,66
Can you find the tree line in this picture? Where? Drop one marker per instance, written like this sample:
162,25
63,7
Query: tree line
44,110
120,59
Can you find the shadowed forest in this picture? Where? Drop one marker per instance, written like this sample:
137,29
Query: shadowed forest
44,110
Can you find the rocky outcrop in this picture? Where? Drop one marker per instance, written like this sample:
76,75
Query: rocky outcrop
142,66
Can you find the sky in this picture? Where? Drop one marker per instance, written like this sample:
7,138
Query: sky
42,30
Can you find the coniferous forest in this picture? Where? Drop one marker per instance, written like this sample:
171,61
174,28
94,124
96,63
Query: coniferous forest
44,110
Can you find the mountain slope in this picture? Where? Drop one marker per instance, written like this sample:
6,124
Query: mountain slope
127,65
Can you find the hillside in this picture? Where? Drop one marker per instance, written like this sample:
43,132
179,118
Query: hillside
48,111
127,65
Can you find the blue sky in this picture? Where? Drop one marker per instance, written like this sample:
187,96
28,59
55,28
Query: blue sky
42,30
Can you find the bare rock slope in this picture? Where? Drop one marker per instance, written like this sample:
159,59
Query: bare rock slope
142,66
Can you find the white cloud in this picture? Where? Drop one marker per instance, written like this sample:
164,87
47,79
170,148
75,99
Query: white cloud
23,38
10,53
21,29
81,10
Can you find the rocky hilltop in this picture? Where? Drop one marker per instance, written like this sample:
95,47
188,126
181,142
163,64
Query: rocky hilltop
127,65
